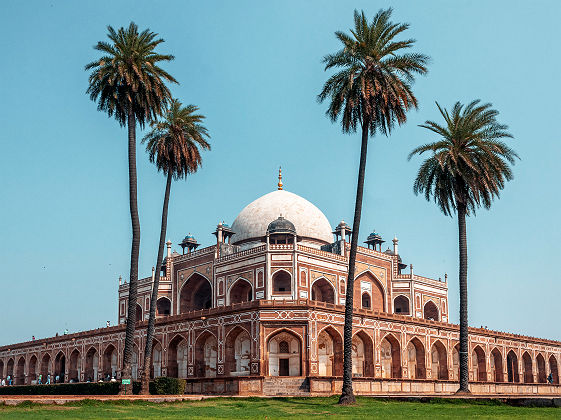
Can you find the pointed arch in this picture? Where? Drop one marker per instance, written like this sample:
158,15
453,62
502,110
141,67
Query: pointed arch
281,282
31,370
163,306
390,357
323,290
540,364
363,354
512,367
92,365
60,366
195,294
527,366
368,282
553,369
177,357
1,369
238,352
157,354
10,368
206,355
455,374
497,365
19,378
330,352
478,365
75,367
401,305
439,361
240,291
430,311
284,353
139,316
46,368
109,362
416,359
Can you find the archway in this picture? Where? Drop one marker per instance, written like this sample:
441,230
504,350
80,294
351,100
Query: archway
439,364
416,359
478,364
32,369
330,353
156,368
20,372
139,313
45,366
366,302
163,306
10,369
134,362
284,355
241,291
362,355
456,362
92,365
206,355
238,352
60,367
282,283
512,367
177,357
553,369
75,366
497,365
366,282
540,362
430,311
109,362
401,305
528,374
195,294
391,359
1,369
323,291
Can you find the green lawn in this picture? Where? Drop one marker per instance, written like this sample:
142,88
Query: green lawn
277,408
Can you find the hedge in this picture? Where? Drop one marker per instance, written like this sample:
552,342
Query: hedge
160,386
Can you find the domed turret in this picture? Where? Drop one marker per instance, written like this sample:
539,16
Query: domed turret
281,225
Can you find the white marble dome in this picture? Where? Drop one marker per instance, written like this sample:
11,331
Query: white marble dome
309,221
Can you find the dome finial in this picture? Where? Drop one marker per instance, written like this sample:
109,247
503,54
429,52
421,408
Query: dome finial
280,179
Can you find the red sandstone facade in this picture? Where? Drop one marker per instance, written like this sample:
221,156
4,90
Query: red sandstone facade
265,315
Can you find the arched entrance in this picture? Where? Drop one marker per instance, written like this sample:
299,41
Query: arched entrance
512,367
430,311
238,352
46,367
10,370
416,359
367,283
32,374
109,362
75,366
2,369
163,306
540,362
139,313
177,357
156,368
439,366
323,291
401,305
60,367
456,363
241,291
134,362
284,355
390,357
206,352
553,369
20,372
362,355
195,294
366,302
478,365
528,374
497,365
330,353
92,366
282,283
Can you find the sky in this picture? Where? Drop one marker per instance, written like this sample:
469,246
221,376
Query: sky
254,69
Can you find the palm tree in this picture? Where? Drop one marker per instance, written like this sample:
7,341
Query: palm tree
372,88
127,83
173,145
468,168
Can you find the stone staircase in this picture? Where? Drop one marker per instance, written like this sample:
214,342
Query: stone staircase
284,386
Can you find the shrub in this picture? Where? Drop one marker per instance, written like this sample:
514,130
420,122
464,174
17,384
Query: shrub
167,386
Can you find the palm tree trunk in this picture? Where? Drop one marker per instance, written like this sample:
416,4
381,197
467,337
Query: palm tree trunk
133,278
347,395
463,300
145,388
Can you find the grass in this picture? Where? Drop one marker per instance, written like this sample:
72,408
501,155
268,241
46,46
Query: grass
275,408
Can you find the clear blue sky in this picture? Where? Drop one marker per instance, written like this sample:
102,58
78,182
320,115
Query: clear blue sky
254,69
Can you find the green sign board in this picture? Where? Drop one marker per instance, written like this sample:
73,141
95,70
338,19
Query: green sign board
126,381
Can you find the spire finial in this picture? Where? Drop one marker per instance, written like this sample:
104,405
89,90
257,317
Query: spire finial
280,179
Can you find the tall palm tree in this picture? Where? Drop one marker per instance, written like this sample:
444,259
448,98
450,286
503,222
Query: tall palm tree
468,168
371,89
127,83
173,145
